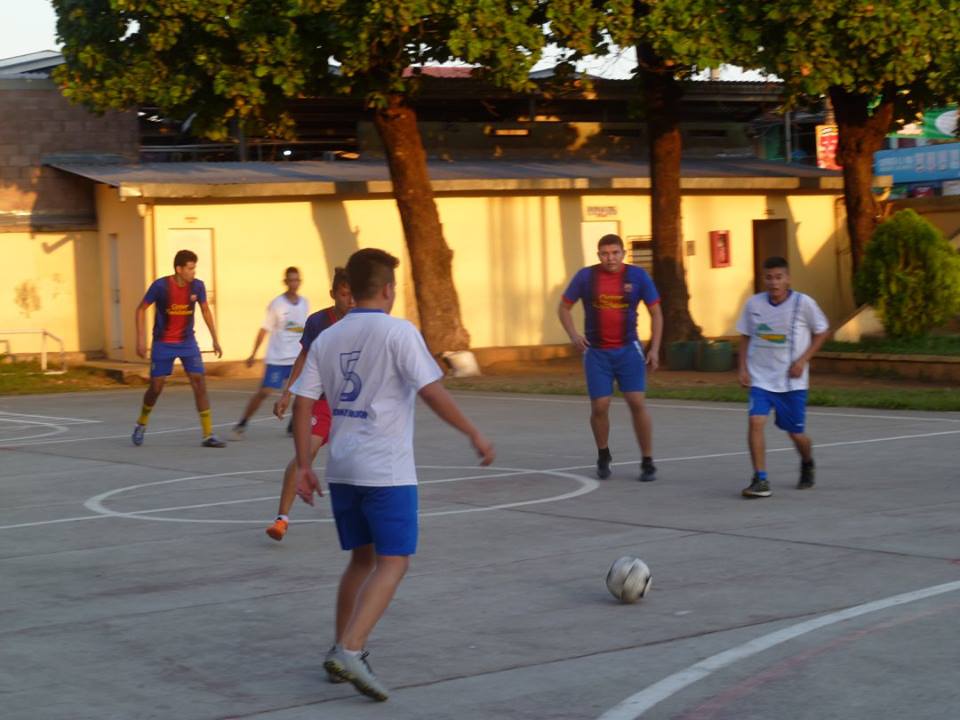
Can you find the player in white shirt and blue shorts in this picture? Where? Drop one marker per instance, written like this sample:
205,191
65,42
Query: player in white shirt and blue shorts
285,320
371,367
780,330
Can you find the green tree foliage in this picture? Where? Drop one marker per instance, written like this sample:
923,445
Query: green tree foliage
911,275
879,61
235,63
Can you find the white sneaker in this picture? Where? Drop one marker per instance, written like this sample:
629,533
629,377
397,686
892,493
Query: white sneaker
330,676
357,670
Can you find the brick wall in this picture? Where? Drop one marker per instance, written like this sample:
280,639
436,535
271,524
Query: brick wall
35,122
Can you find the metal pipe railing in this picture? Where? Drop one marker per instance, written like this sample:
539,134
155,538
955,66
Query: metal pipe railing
44,334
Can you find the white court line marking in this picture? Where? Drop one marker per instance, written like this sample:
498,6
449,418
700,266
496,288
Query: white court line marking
137,513
54,429
67,420
714,408
96,503
17,443
553,471
636,705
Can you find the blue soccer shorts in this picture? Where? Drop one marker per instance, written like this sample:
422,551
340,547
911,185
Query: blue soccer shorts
384,516
790,407
276,375
163,354
626,365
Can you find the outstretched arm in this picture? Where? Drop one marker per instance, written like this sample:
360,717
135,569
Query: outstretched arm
796,370
261,334
566,319
742,373
281,405
656,335
141,321
208,319
437,398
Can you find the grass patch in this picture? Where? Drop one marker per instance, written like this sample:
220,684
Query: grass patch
913,398
26,378
931,345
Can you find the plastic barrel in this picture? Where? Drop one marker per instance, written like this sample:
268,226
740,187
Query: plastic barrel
715,356
682,355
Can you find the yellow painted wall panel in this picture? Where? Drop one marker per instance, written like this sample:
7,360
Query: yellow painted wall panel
51,281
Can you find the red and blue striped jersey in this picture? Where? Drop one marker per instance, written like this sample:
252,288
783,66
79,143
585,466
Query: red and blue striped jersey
610,302
175,308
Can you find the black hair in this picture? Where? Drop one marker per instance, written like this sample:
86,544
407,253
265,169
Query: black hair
183,257
771,263
340,277
369,271
291,270
610,239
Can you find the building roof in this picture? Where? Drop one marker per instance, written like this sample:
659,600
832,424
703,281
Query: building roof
35,64
263,179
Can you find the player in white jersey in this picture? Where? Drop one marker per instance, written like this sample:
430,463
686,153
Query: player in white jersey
371,368
780,331
285,319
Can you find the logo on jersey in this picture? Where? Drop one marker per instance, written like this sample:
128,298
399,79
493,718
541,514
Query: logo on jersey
351,390
628,288
765,332
610,302
193,298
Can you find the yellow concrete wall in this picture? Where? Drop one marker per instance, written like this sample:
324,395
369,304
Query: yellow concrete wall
51,281
130,223
513,256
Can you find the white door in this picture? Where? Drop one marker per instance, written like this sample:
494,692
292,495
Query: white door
200,241
116,314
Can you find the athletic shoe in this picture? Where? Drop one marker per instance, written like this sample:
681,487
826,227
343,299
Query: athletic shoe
757,489
335,679
238,432
278,529
138,433
648,473
807,479
213,441
357,670
603,467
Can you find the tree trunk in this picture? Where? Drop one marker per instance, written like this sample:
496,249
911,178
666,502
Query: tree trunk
661,94
431,259
861,134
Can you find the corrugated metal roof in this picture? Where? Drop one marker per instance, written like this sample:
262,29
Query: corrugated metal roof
253,179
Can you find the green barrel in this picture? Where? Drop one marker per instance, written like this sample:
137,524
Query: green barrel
682,355
715,356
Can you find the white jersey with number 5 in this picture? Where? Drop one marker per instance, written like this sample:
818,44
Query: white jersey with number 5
371,367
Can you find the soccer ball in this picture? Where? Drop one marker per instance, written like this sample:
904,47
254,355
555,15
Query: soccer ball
629,579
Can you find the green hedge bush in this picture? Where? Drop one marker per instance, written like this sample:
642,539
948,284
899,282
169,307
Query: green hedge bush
911,276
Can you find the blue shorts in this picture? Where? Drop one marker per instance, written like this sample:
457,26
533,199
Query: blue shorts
626,364
791,407
276,375
162,355
384,516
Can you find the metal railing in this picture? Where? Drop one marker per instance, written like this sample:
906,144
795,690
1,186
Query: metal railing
43,348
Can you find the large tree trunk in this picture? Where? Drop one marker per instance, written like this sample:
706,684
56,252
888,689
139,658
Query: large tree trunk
430,257
661,93
861,134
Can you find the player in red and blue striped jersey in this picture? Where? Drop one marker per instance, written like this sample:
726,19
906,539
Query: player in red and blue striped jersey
176,297
611,292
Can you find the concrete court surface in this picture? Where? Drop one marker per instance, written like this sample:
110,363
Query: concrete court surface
138,582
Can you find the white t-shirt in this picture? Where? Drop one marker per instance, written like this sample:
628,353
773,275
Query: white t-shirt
779,334
284,322
371,367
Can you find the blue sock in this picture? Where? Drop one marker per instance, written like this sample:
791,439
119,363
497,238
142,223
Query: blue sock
761,475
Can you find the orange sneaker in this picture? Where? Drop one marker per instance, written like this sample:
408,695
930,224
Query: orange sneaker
278,529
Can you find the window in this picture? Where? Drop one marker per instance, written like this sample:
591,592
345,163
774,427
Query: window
640,251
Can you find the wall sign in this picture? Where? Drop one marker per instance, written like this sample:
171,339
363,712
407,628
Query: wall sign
719,248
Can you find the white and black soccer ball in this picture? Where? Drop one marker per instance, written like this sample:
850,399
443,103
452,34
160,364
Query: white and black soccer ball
629,579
